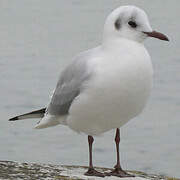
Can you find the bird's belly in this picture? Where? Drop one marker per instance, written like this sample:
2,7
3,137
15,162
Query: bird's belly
110,100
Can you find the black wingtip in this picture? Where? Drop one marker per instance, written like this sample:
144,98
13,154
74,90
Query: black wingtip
13,119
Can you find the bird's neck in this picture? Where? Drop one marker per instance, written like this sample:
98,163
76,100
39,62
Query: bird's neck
115,44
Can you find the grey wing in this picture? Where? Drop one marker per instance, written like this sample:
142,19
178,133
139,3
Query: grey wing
69,86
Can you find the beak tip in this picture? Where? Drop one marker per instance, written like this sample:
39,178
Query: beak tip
167,39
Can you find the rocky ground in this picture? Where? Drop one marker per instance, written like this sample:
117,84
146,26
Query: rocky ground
32,171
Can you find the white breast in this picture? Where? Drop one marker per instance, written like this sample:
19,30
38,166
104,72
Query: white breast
116,93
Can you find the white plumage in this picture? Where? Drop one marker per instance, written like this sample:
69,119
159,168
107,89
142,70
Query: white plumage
120,78
105,87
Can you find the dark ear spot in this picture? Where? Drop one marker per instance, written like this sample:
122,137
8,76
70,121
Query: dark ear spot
117,24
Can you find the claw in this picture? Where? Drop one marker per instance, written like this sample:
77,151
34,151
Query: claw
119,173
93,172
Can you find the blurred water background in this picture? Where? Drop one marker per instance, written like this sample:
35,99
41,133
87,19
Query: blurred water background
38,38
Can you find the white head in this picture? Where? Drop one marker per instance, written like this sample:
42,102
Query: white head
129,22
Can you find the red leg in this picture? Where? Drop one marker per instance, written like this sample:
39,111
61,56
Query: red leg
118,170
91,171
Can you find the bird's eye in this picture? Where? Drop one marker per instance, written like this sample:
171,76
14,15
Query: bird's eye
132,24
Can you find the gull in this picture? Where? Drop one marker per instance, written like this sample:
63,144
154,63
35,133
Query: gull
104,87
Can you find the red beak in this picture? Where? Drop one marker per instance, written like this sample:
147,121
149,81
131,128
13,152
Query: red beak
156,34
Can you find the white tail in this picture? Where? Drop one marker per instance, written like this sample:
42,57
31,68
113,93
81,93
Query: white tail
47,121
